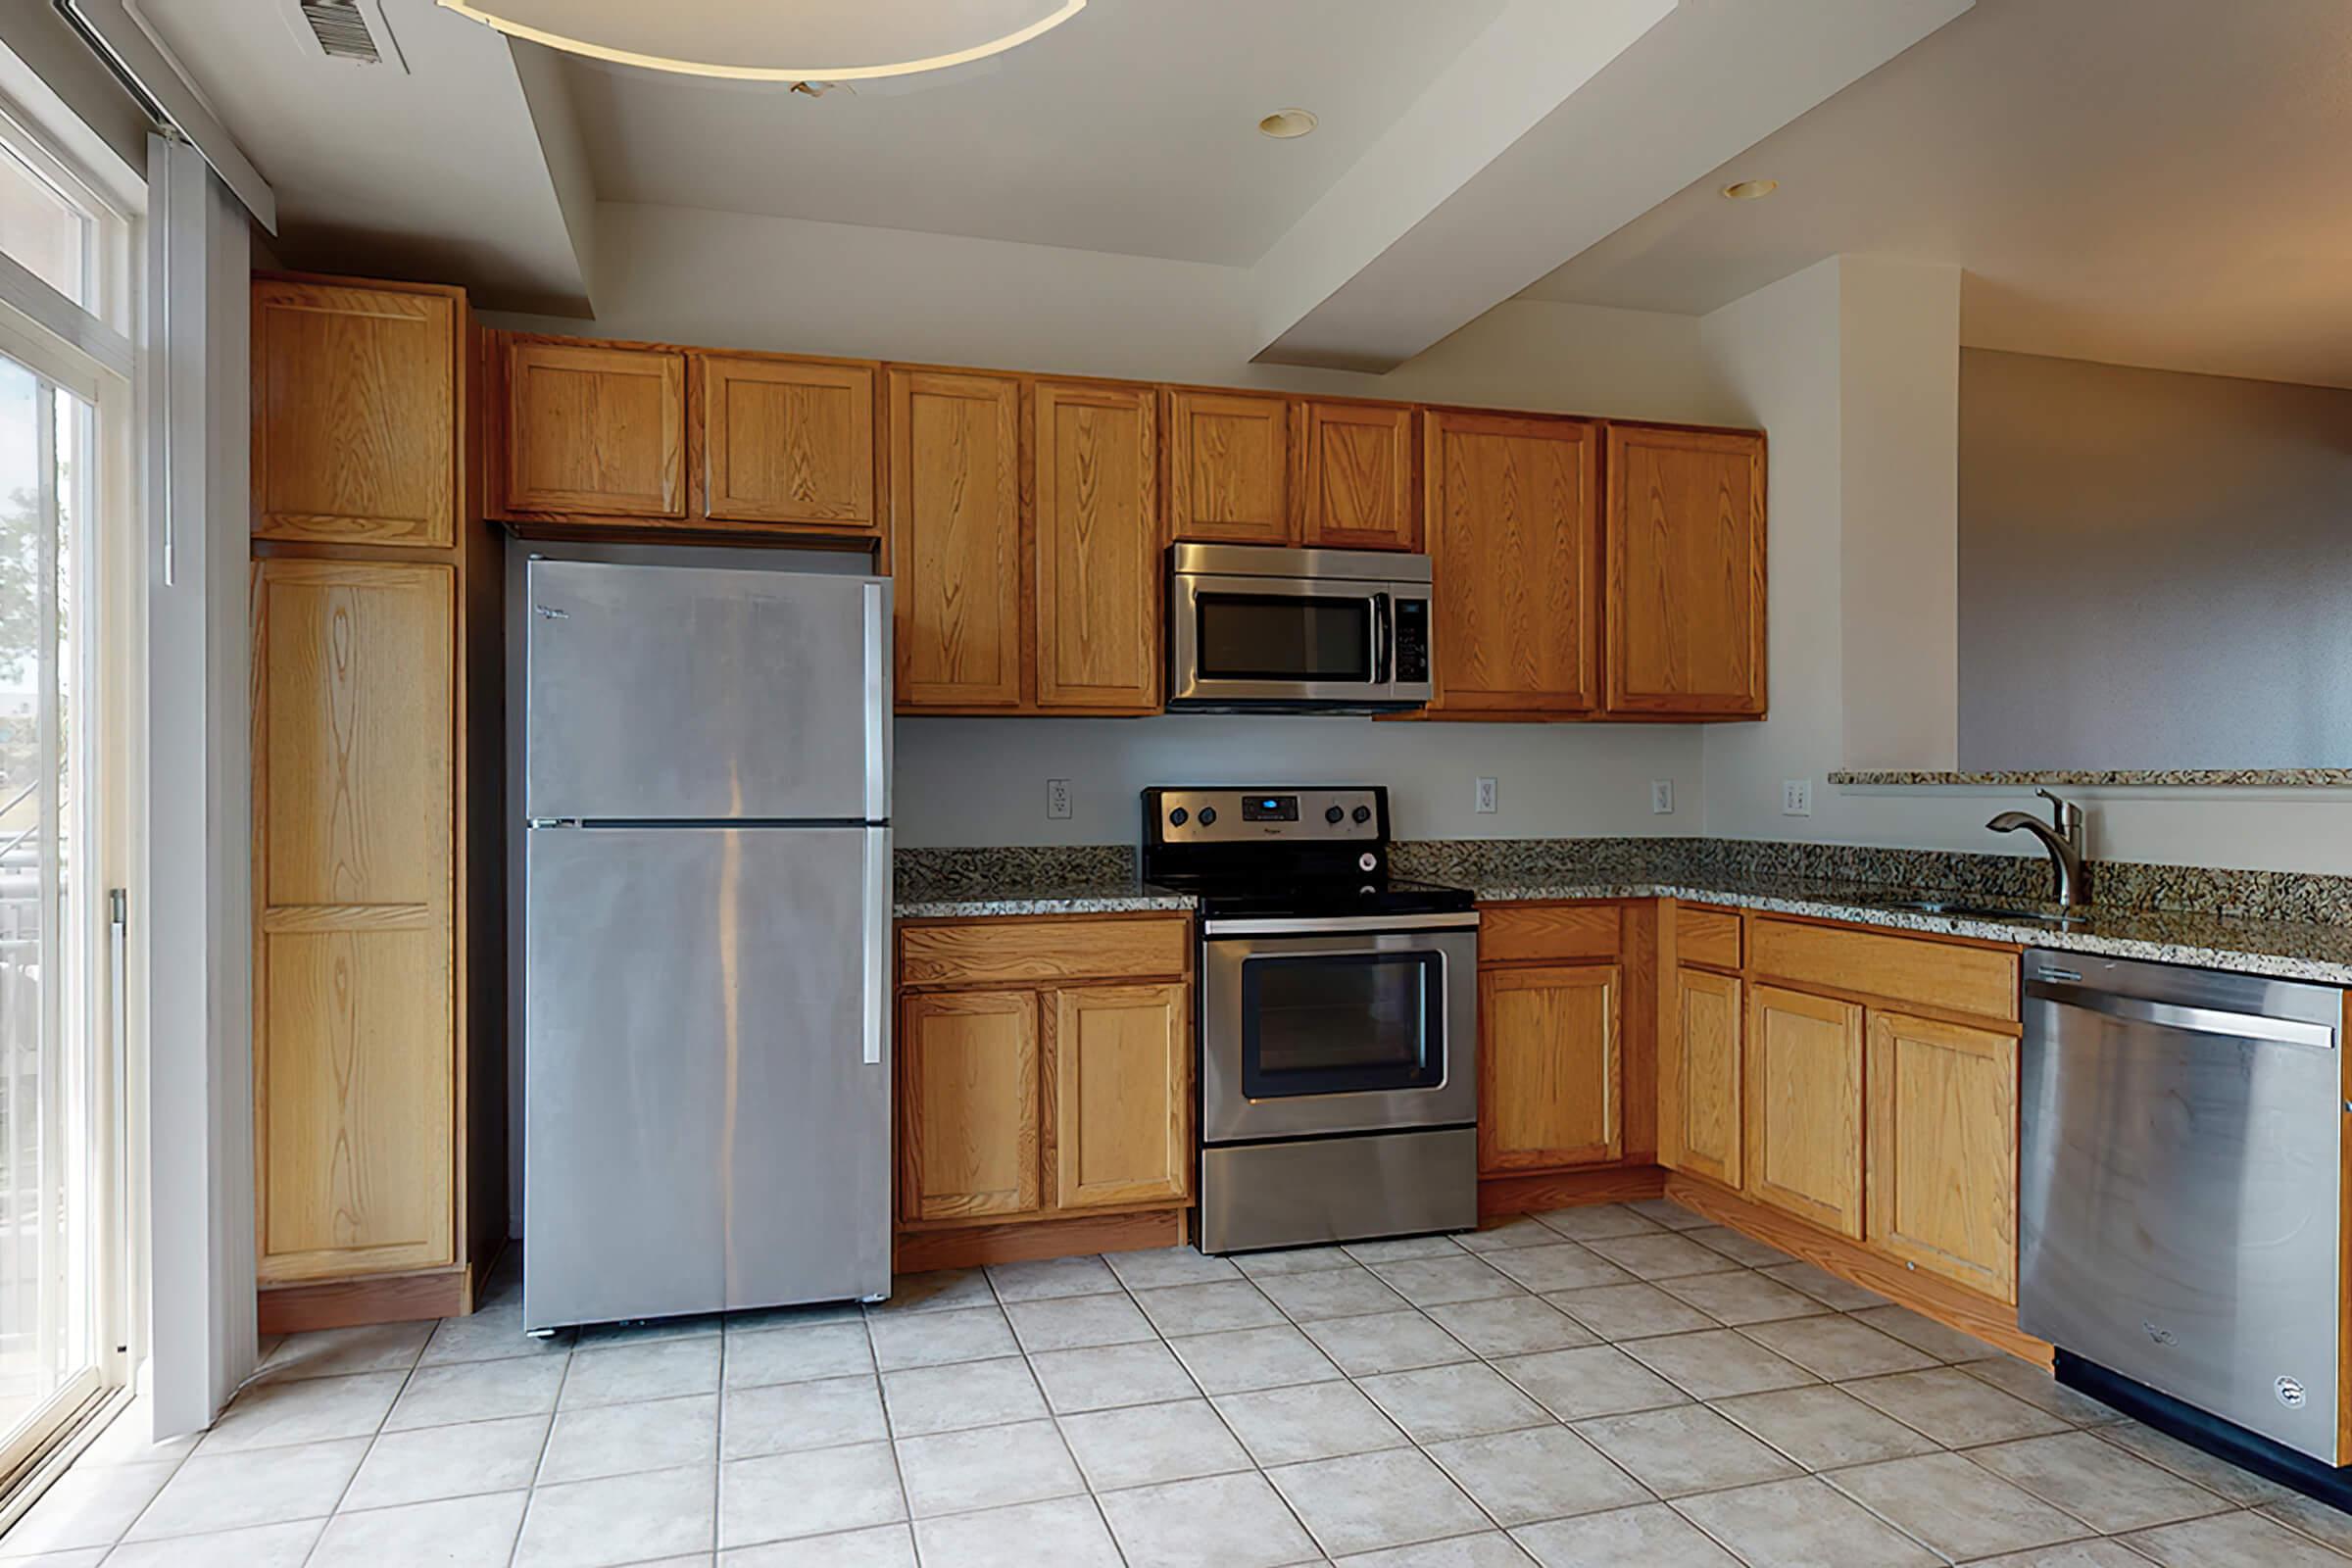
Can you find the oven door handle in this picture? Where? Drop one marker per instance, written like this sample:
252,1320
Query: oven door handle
1288,926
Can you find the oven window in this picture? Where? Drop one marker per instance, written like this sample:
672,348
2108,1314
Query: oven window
1340,1023
1284,637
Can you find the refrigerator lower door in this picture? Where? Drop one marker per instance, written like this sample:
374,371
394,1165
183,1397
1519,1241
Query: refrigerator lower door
708,1073
666,693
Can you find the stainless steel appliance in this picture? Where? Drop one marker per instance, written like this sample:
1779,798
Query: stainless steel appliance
1337,1020
2180,1186
707,887
1253,627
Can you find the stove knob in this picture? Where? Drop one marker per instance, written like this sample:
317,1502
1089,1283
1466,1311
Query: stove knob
1363,813
1208,817
1333,815
1367,861
1179,816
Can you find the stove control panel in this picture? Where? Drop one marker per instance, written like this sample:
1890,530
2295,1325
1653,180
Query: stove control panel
1280,816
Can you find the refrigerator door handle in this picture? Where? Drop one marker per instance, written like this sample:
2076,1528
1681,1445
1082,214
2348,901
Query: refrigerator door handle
877,944
877,702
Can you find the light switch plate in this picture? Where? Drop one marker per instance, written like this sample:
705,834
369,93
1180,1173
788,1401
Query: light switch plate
1057,798
1661,797
1796,797
1486,795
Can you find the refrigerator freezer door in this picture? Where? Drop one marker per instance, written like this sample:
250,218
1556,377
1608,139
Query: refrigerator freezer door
708,1082
695,693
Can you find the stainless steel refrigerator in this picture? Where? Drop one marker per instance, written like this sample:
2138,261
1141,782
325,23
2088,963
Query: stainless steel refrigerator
707,919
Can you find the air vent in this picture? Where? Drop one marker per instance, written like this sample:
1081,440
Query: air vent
341,31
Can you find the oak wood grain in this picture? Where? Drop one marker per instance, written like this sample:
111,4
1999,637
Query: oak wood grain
595,429
1544,933
970,1072
1943,1169
1700,1078
1121,1095
1081,1235
786,440
990,951
1228,468
1550,1090
1707,937
1359,477
1961,977
1802,1148
955,518
1534,1191
1686,604
1098,568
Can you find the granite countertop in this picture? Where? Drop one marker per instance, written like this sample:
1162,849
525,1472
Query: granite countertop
2324,778
1096,879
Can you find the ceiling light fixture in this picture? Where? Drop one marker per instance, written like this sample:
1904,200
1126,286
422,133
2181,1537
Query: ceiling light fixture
810,40
1285,124
1747,190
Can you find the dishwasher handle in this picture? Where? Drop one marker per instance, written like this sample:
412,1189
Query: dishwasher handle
2176,1015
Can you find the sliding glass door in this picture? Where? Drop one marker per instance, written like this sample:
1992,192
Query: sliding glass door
57,1062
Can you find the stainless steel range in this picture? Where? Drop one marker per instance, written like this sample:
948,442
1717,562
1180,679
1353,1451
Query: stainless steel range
1338,1018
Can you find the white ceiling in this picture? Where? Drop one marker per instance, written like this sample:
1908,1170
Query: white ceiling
2154,182
1131,129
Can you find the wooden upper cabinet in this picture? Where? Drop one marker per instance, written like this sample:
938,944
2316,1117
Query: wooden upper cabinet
1803,1073
1122,1095
955,550
1513,529
787,441
1228,468
1099,571
355,414
1698,1079
970,1075
354,813
1944,1150
1685,571
595,429
1550,1090
1360,477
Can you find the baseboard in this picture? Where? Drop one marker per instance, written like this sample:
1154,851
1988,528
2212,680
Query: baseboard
918,1252
1930,1296
1535,1190
356,1303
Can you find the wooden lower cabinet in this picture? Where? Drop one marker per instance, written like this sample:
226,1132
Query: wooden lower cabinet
968,1135
1122,1094
1699,1078
1550,1080
1803,1135
1042,1081
1943,1188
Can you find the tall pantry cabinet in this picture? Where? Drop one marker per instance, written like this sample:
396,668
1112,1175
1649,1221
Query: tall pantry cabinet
377,676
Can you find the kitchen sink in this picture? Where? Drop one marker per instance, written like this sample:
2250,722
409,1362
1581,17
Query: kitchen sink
1961,910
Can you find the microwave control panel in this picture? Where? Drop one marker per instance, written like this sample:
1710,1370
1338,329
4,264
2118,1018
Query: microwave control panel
1412,641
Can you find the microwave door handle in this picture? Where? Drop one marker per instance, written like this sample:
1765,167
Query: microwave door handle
1381,639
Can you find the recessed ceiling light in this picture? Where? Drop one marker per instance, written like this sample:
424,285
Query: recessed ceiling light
1286,124
1747,190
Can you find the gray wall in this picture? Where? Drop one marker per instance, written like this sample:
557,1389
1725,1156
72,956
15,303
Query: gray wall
2155,568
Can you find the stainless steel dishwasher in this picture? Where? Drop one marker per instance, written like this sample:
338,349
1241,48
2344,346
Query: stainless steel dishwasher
2180,1185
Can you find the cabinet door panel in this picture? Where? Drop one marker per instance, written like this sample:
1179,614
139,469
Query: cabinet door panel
1229,469
355,415
1550,1093
1514,544
1701,1135
1944,1150
1804,1108
1098,550
1685,574
1360,477
968,1113
955,556
596,431
354,810
1122,1095
787,441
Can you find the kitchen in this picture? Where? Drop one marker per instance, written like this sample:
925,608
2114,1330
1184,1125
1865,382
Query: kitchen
944,886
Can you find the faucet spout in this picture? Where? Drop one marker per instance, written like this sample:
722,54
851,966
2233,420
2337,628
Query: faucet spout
2062,836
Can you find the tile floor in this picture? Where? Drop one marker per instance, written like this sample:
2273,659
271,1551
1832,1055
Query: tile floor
1611,1386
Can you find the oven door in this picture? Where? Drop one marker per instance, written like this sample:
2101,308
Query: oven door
1337,1026
1255,640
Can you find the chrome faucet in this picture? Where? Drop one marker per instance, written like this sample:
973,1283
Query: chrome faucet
2062,836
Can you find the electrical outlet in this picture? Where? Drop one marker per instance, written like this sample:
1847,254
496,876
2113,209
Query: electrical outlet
1057,798
1486,795
1796,797
1661,797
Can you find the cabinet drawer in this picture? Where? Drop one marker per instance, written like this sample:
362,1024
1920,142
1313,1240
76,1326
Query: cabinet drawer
989,952
1919,969
1519,933
1708,937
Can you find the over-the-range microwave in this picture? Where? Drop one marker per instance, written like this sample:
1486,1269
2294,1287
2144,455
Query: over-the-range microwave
1267,629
